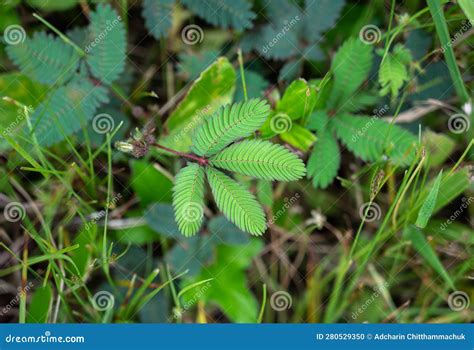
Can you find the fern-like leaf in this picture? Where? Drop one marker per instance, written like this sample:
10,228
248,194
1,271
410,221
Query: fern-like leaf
320,15
45,58
261,159
392,75
188,199
325,160
66,109
106,50
371,138
236,14
239,205
351,66
158,16
228,124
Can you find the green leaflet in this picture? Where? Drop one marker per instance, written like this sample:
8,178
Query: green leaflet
371,138
239,205
236,14
228,124
158,16
351,66
298,100
392,75
429,204
261,159
66,109
325,160
106,49
188,199
45,58
320,15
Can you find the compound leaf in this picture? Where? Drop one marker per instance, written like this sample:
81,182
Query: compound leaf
158,16
325,160
239,205
188,199
228,124
261,159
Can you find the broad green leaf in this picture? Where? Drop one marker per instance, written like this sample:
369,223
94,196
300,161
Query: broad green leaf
423,247
229,288
237,204
299,137
265,192
53,5
145,176
298,100
225,232
468,8
106,49
439,147
214,88
160,217
191,254
429,204
82,256
192,64
40,306
136,234
188,199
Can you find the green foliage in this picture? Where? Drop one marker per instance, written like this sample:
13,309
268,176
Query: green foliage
325,160
45,59
350,66
261,159
429,204
228,124
157,15
188,199
236,14
65,109
298,100
106,52
40,304
468,8
239,205
214,88
320,15
372,138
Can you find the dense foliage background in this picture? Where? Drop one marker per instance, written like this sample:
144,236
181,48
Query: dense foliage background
101,104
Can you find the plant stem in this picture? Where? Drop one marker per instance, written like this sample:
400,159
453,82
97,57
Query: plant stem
200,160
242,74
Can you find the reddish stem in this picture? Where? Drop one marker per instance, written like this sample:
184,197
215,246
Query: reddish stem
200,160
